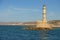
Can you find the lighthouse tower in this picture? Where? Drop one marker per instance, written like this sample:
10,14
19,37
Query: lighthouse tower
44,13
43,23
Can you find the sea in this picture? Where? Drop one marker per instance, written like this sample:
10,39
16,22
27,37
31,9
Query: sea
18,33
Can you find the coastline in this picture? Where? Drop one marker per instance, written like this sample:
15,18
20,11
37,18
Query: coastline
58,26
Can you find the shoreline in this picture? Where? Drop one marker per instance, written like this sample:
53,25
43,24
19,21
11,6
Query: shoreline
58,26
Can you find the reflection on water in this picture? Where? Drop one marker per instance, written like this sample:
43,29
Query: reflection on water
43,35
50,34
16,33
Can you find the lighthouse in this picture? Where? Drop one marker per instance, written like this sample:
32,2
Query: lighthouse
43,24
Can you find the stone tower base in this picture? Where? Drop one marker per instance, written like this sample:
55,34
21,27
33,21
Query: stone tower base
43,25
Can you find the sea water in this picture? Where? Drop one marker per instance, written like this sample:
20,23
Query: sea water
18,33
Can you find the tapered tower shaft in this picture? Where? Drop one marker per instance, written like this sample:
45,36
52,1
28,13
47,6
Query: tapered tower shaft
44,13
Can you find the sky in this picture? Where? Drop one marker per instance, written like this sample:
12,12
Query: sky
28,10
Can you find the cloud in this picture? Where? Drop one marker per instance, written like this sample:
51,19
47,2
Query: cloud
26,9
11,10
12,13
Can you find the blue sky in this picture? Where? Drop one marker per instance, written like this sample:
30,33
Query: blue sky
28,10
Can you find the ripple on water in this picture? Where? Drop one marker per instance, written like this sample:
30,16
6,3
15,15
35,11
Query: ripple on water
16,33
